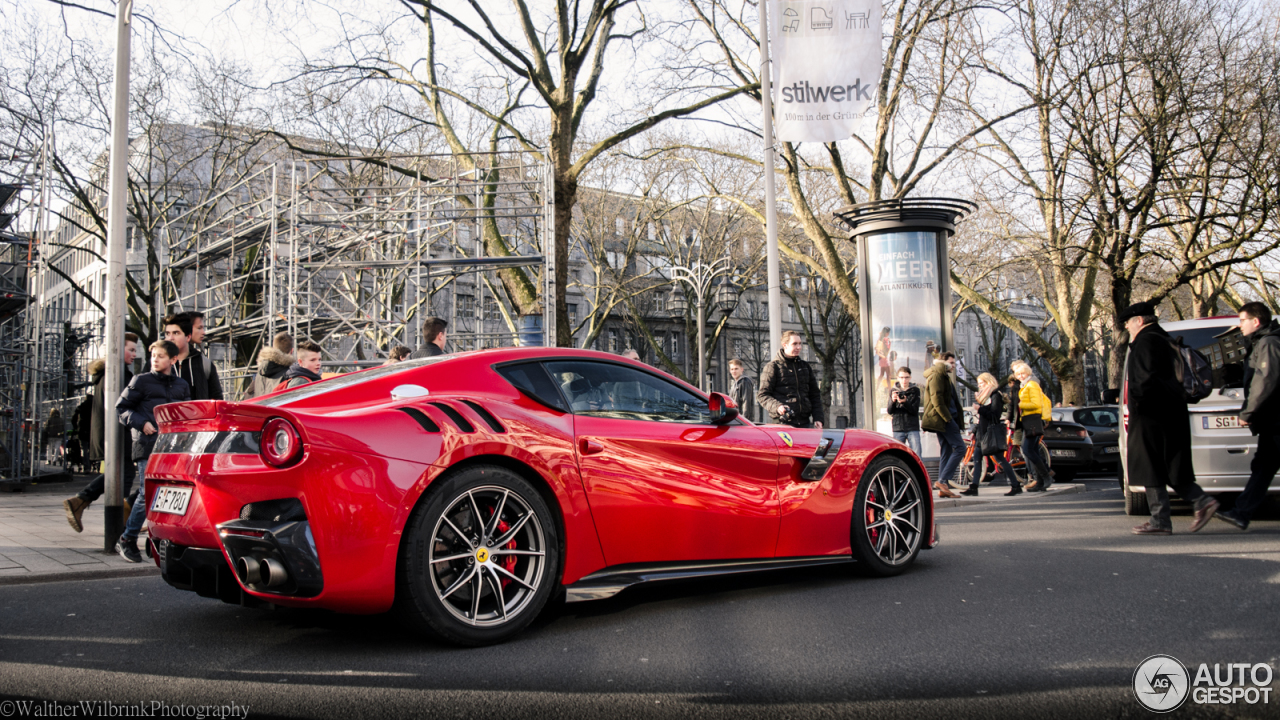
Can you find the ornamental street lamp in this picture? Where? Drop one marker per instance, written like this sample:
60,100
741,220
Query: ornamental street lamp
699,277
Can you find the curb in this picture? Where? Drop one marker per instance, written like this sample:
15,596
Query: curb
147,567
1067,489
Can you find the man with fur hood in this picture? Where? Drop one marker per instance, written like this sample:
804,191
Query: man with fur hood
944,417
273,362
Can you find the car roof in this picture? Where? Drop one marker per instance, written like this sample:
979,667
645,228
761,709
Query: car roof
1222,321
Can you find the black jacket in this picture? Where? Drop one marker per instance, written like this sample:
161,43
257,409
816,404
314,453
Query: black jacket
791,382
427,350
97,448
137,405
204,386
297,376
272,365
991,420
740,392
1154,389
905,414
1262,381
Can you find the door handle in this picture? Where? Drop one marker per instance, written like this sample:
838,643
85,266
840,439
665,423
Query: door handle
589,447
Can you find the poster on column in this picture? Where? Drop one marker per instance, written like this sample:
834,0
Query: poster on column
826,66
906,311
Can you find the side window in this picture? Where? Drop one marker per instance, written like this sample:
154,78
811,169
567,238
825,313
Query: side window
1106,418
608,390
1085,417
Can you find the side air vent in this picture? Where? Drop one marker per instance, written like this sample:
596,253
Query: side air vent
456,417
485,415
427,423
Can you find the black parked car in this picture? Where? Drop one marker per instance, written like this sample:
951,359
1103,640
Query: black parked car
1070,449
1103,424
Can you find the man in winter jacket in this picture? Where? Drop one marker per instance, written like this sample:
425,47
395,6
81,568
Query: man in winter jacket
136,408
1159,440
434,335
904,411
307,369
273,363
943,415
1261,411
740,389
190,364
95,449
789,389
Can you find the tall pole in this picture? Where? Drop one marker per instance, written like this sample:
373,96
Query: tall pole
702,335
770,193
116,228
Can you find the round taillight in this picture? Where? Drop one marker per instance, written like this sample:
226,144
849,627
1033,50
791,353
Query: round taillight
281,445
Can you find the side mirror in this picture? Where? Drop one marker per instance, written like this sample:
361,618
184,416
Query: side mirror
1111,396
723,411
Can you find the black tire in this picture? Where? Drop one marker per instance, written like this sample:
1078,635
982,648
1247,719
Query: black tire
886,535
451,582
1135,503
1066,476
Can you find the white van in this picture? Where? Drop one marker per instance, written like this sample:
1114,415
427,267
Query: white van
1221,450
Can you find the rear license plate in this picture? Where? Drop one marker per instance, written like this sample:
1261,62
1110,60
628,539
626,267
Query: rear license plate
171,499
1111,449
1220,422
1062,453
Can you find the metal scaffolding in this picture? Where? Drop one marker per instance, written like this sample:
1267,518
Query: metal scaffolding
354,252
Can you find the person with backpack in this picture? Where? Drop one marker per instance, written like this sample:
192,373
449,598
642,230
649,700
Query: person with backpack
192,365
1159,439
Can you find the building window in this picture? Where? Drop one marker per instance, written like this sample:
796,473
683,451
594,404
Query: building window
466,305
573,313
613,341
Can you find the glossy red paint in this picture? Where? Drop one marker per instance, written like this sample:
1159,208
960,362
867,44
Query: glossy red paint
625,491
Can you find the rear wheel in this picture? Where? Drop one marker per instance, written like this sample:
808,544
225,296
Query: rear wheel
480,557
888,518
1135,503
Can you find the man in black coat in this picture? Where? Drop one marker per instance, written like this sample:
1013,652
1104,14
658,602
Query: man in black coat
789,389
1261,411
904,411
95,447
434,335
190,364
1159,440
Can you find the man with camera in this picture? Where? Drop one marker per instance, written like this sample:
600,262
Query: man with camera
789,389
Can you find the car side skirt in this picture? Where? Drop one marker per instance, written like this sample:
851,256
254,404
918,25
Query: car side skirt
611,581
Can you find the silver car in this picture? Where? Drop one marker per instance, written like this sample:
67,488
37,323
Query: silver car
1221,450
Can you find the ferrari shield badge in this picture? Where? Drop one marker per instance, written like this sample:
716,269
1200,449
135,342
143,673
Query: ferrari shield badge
786,438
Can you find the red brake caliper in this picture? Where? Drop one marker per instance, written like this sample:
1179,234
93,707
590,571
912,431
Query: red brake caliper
508,562
872,515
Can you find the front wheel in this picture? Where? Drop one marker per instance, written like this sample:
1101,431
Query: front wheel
888,518
480,557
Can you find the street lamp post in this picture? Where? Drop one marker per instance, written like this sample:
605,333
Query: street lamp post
699,277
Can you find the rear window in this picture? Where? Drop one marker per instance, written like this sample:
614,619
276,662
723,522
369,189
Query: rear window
1224,348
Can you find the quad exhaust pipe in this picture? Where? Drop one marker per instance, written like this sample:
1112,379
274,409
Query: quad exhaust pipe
267,572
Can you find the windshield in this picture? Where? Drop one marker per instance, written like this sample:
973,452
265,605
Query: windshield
347,380
1223,346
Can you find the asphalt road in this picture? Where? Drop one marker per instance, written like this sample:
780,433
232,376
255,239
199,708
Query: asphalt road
1034,609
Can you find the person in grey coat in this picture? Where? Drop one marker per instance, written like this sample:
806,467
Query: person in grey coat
742,390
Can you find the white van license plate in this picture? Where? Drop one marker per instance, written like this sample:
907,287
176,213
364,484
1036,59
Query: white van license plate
1220,422
171,499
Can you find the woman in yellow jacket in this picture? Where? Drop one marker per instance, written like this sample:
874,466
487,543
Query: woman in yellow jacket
1032,401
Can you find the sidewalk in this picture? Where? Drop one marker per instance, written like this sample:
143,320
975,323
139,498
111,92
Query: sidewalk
988,494
38,545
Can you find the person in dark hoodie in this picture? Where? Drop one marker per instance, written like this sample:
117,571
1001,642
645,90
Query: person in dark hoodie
307,369
1261,410
273,362
96,447
789,389
190,364
904,411
136,408
1159,439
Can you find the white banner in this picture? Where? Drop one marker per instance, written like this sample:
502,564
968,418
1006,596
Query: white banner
826,67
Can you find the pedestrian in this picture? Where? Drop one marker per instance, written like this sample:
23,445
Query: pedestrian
944,417
904,411
136,409
192,365
273,362
197,328
740,389
989,436
56,429
789,389
95,447
1261,411
434,335
1159,439
398,353
306,369
1035,411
